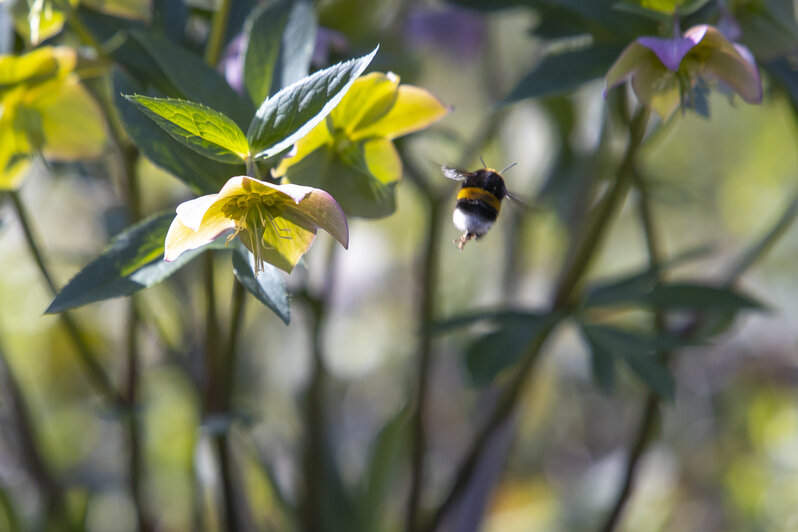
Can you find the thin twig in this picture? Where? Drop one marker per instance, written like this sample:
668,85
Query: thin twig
314,461
218,30
650,414
94,371
426,312
49,486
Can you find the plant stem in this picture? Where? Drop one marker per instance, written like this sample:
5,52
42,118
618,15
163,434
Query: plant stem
213,49
51,490
315,452
94,371
127,154
650,415
597,223
136,466
426,312
227,377
561,301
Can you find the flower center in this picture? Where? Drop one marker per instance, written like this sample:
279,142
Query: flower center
254,214
341,142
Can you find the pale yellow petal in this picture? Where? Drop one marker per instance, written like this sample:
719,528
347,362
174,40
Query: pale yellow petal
415,108
370,98
285,242
180,238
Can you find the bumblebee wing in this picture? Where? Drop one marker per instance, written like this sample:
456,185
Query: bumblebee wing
454,174
524,204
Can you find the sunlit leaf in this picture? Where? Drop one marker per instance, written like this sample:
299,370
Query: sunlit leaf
295,110
200,173
202,129
38,21
193,78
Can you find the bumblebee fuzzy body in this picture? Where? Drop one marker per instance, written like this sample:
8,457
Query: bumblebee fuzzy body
478,201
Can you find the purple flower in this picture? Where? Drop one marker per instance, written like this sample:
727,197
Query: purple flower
458,32
232,63
664,72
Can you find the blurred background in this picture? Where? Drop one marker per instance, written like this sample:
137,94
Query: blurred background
725,458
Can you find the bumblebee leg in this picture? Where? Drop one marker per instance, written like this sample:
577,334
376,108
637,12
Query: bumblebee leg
461,242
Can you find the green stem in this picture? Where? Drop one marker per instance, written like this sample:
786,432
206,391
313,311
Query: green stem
562,300
314,462
136,465
597,223
218,29
94,371
51,490
650,416
428,274
127,155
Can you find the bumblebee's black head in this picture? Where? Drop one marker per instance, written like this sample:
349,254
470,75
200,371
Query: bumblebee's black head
489,180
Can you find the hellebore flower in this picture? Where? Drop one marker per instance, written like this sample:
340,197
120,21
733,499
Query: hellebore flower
44,109
351,153
664,72
277,223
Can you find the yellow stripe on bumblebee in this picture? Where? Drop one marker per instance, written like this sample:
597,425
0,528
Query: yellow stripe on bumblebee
476,193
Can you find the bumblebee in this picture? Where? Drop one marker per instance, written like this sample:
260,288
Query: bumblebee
478,201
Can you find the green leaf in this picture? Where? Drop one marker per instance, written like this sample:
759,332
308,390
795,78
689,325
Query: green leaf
622,291
496,351
132,261
769,238
565,72
203,175
382,471
193,78
295,110
699,297
769,27
208,132
603,365
280,38
635,350
479,316
268,287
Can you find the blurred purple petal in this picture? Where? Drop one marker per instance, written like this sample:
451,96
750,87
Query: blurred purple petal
327,42
458,32
232,63
727,24
671,51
